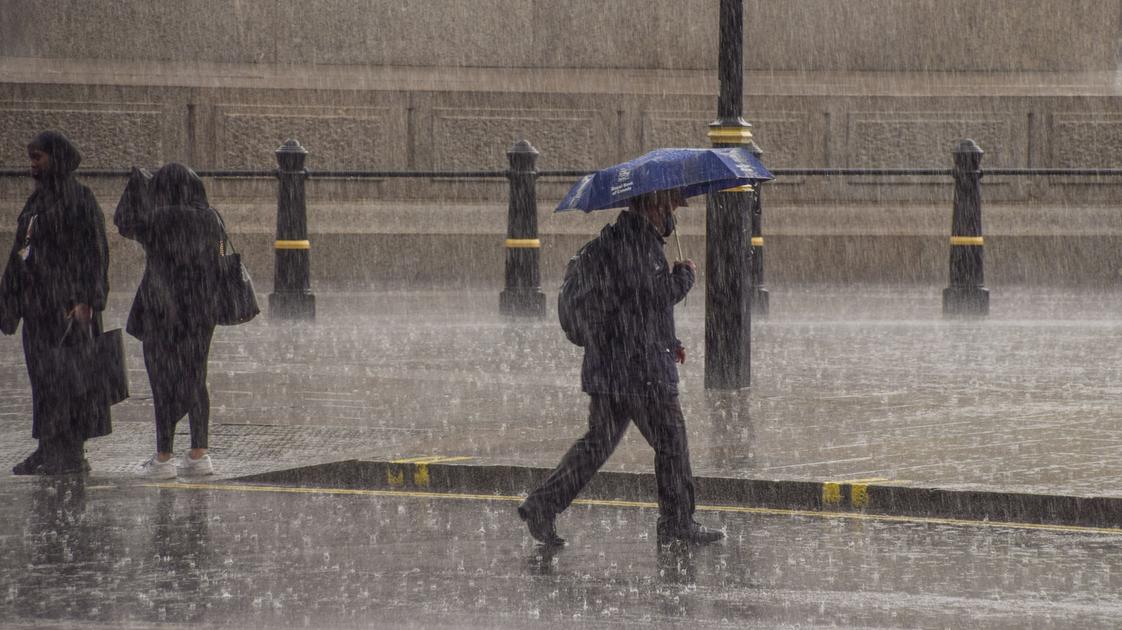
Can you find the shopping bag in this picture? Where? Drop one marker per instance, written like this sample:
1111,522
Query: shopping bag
235,300
87,365
9,300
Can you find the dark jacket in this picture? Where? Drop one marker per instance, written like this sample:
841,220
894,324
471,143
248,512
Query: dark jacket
635,353
181,236
68,256
67,263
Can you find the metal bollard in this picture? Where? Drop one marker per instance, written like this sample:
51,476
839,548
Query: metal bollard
292,297
523,295
966,293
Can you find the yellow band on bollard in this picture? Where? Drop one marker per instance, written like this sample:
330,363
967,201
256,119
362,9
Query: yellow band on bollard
757,241
523,243
967,240
292,245
730,135
739,189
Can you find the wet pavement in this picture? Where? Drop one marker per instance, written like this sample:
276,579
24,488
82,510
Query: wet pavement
129,555
848,383
858,383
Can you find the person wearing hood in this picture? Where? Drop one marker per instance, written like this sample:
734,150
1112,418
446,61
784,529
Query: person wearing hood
58,271
172,313
630,375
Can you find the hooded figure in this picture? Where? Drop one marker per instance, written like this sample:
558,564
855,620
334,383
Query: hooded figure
58,268
630,376
173,312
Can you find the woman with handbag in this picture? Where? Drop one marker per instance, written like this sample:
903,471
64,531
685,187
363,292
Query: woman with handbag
173,313
58,272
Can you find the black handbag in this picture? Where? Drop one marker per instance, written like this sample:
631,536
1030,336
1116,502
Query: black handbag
91,365
235,302
10,311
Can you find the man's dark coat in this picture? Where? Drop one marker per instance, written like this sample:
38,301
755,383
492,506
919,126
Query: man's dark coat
635,352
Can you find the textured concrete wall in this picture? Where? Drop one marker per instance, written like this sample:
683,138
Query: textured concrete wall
854,35
409,85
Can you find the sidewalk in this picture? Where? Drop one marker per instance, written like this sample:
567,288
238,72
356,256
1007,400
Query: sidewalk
862,398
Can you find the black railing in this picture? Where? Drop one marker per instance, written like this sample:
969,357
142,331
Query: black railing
778,172
522,295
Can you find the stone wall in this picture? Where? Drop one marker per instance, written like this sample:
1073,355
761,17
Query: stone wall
809,35
451,84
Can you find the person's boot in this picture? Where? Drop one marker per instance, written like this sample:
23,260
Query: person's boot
32,463
541,526
691,533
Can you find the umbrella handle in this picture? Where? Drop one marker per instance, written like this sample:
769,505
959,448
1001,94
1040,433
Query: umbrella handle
677,239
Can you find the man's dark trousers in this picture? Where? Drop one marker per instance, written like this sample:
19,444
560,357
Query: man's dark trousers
660,420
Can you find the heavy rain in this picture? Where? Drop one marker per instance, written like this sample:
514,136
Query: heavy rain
338,314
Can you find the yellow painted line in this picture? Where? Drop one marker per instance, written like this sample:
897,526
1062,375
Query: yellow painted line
523,243
831,493
421,475
757,241
859,495
292,245
739,189
430,459
967,240
647,505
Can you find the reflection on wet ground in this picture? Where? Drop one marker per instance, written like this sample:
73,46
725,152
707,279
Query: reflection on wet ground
135,556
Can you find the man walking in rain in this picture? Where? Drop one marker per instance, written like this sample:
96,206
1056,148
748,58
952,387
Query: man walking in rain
629,371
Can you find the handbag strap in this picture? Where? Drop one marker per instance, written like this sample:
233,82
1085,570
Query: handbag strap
69,327
225,235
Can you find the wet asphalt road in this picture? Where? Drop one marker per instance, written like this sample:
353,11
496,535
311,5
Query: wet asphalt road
133,555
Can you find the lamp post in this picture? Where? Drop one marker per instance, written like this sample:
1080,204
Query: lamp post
731,216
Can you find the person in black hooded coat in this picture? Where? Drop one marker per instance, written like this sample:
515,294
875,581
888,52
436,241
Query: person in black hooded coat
58,271
173,312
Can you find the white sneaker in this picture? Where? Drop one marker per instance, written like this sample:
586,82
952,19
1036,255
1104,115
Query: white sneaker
200,467
155,469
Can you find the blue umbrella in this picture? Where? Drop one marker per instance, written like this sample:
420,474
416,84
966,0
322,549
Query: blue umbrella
691,171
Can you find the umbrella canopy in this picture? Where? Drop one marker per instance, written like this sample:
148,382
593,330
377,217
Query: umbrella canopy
692,171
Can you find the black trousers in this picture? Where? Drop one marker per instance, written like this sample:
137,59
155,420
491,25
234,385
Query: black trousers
176,365
660,421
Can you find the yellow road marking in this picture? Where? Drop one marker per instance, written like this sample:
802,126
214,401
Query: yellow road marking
429,459
732,509
831,493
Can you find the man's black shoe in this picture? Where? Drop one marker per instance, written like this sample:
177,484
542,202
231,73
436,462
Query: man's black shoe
541,526
693,534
